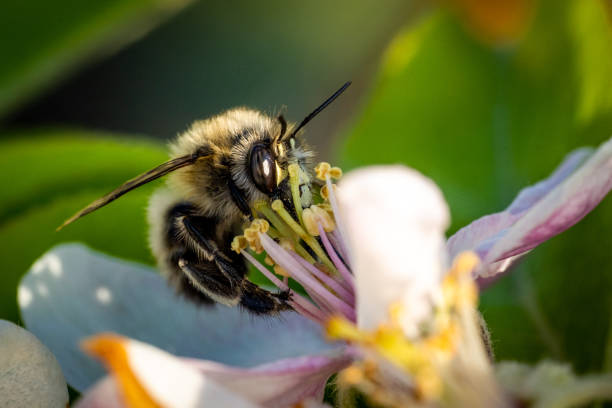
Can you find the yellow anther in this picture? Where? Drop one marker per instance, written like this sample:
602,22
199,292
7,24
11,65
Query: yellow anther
327,207
256,247
335,173
324,170
277,206
445,342
396,311
316,215
352,375
324,192
429,383
321,170
324,218
287,244
251,233
239,243
281,271
458,286
310,222
338,328
260,225
464,264
269,261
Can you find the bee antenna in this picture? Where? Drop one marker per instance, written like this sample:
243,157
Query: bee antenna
283,125
320,108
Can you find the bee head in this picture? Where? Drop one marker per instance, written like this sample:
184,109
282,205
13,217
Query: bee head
228,162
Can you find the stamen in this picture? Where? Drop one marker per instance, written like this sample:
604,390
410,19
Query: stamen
324,192
334,238
264,208
279,270
296,299
322,170
284,229
277,206
453,335
294,183
239,243
324,276
317,214
302,276
310,222
335,173
334,285
344,272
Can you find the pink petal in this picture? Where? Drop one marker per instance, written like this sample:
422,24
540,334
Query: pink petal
539,212
279,384
103,394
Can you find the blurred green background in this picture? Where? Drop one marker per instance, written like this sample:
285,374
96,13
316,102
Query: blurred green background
482,96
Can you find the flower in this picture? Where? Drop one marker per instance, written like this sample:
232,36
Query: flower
377,279
73,293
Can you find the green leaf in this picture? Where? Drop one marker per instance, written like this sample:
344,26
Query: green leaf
42,41
48,176
483,123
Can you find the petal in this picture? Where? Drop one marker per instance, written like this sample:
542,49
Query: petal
395,220
539,212
481,234
149,377
30,376
103,394
279,384
73,292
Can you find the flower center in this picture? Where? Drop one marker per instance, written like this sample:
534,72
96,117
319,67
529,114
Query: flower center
308,248
426,358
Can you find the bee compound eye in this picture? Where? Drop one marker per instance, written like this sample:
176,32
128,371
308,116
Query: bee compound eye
263,170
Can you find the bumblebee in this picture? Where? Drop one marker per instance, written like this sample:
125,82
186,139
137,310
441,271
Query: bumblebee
219,168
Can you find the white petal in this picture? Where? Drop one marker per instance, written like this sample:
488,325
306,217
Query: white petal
30,376
142,372
395,220
87,293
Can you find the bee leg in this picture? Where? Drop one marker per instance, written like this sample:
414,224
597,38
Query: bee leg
261,301
181,282
194,228
229,278
207,278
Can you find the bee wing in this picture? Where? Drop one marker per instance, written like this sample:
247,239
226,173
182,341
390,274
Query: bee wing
136,182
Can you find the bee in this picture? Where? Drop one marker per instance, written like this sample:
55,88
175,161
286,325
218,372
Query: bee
219,168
